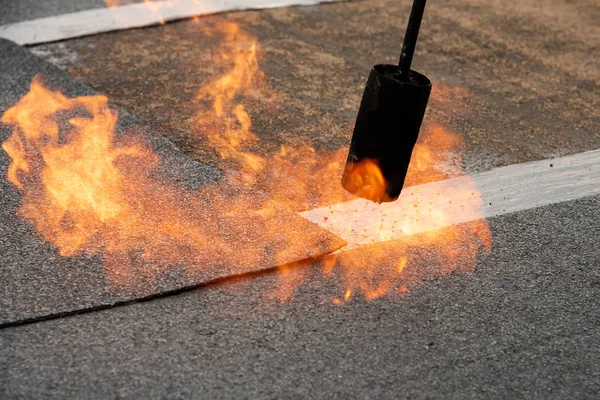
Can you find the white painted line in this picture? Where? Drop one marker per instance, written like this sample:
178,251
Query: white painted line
453,201
89,22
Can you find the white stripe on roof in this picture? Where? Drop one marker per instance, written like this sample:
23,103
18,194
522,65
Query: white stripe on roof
453,201
89,22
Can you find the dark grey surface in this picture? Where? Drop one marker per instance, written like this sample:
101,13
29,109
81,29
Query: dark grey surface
524,324
517,83
25,10
37,281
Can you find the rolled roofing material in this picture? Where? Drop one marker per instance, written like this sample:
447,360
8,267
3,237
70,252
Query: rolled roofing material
38,283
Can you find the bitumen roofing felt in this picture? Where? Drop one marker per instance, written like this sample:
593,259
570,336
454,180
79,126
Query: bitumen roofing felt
517,83
38,282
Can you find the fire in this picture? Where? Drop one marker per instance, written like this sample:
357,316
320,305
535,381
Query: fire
117,3
72,178
391,263
435,157
347,296
87,191
73,189
227,124
366,180
300,178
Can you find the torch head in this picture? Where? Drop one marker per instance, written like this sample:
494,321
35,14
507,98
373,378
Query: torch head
385,133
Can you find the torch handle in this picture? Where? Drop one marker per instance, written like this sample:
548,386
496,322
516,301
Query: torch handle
410,38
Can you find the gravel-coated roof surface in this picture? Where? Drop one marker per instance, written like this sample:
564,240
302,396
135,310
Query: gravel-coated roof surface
524,324
518,83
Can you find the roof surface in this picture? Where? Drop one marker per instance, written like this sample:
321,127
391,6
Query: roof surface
518,84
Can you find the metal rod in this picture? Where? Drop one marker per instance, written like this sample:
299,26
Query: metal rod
410,38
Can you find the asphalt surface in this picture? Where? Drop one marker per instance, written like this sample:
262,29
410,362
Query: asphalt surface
518,83
524,324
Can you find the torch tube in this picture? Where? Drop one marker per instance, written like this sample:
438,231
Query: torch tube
388,123
386,130
410,38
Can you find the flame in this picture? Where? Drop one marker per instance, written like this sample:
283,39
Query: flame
75,180
116,3
378,269
227,124
75,188
85,191
435,157
346,297
299,178
365,179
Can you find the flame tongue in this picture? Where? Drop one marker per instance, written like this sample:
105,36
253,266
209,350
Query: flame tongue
365,179
66,169
226,125
85,193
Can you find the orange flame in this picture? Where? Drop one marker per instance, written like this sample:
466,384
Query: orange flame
86,192
227,124
378,269
301,178
78,182
71,189
365,179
